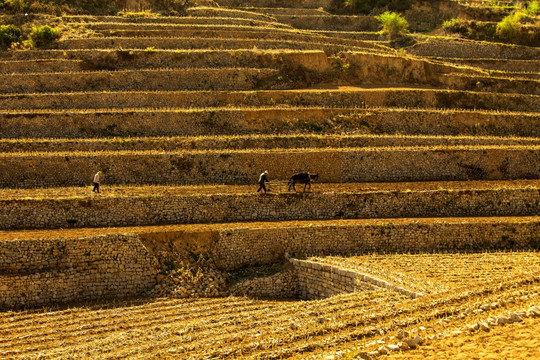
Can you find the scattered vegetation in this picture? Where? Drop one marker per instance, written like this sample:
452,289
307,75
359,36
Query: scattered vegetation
9,34
501,5
393,23
138,14
456,26
510,26
367,6
43,35
13,6
533,8
102,7
519,27
38,36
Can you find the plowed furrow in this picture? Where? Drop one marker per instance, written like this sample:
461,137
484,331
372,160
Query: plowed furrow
195,339
194,323
39,321
91,326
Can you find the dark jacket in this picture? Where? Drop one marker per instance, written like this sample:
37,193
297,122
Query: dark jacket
263,178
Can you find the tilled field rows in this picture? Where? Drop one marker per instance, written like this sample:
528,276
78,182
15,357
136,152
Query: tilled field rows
189,20
258,329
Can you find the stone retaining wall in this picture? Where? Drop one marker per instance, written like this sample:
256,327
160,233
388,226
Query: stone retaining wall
283,285
309,4
43,271
38,272
149,80
392,98
160,209
224,143
200,43
243,167
473,50
330,22
237,247
102,123
316,281
530,66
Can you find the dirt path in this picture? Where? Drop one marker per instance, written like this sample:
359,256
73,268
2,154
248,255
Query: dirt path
84,232
276,186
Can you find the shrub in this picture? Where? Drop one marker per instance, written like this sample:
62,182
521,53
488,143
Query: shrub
43,35
9,34
533,8
509,27
393,23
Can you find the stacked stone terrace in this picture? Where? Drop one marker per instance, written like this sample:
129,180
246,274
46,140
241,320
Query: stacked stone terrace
182,114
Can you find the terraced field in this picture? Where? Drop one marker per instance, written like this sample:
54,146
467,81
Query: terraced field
242,327
428,160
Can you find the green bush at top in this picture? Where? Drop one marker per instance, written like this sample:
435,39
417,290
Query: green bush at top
9,34
393,23
43,35
533,8
510,27
365,6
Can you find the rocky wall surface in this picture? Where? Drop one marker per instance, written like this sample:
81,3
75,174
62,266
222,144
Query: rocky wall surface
283,285
361,98
330,22
45,271
188,209
393,164
147,79
81,124
277,3
473,50
42,271
237,248
316,281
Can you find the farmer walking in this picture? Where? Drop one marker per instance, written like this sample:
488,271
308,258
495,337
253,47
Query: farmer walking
97,179
262,179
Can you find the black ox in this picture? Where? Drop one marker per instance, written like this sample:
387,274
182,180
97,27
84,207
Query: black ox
302,178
